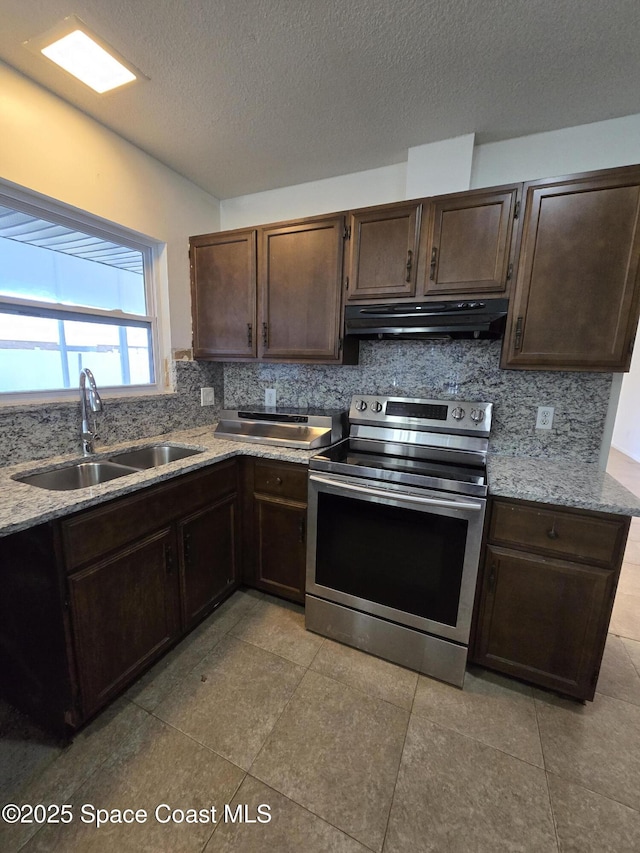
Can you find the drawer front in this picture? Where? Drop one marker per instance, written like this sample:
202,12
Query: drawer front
92,534
281,479
574,535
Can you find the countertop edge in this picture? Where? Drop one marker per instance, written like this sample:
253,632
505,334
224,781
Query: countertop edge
543,481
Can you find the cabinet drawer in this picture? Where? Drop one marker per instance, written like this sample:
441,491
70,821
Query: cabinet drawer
91,534
283,479
575,535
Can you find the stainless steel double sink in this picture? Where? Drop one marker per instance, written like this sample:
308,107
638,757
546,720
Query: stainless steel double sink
86,472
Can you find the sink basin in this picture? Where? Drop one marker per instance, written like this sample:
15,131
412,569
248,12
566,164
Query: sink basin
79,475
151,457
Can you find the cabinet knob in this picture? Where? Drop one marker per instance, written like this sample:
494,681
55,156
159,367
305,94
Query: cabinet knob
278,481
553,533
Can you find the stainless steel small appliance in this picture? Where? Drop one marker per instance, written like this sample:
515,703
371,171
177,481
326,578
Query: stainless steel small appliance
396,513
286,427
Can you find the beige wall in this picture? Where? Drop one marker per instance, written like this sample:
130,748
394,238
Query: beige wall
51,148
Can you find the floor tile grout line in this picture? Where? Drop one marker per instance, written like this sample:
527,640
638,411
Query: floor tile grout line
196,741
572,781
395,784
481,742
311,812
86,779
551,810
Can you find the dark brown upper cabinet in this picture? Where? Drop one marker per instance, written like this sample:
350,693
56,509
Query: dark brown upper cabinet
383,251
271,293
576,298
300,289
471,242
223,295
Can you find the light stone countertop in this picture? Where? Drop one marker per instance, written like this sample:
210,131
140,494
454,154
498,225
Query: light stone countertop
546,481
554,481
23,505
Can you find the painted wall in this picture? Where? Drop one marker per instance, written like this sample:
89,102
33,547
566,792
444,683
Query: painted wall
447,166
359,189
626,431
601,145
51,148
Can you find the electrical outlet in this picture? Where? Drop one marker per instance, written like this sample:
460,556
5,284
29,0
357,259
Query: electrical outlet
207,397
270,397
545,417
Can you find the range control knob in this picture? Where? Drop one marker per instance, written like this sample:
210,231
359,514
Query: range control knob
458,413
361,405
476,415
376,406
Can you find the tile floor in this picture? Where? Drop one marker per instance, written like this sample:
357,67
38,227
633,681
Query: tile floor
349,752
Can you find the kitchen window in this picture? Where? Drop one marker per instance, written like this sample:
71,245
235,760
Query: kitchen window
74,293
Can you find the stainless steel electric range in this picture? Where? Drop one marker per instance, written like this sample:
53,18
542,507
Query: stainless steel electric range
396,513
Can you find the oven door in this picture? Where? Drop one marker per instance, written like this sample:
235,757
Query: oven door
406,554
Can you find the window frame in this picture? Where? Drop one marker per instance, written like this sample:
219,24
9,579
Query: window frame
77,219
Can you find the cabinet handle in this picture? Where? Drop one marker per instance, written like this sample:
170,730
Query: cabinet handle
302,530
187,547
553,533
518,341
492,577
249,334
265,335
434,256
409,264
168,558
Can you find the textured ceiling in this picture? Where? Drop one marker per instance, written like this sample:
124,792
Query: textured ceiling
248,95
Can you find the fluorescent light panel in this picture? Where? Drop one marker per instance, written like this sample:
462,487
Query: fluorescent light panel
85,59
73,46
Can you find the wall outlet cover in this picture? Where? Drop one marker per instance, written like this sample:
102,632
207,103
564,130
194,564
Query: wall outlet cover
544,420
207,397
270,397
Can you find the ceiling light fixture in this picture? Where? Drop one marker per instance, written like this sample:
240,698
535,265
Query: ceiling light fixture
86,56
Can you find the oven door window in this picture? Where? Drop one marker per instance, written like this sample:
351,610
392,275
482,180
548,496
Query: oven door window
398,557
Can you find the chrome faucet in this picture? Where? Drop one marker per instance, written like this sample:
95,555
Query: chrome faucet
91,404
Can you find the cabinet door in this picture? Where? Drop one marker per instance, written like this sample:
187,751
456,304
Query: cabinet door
575,305
383,253
280,546
223,295
300,279
124,612
544,620
470,242
209,557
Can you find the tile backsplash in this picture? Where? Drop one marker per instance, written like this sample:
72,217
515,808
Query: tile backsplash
451,370
442,369
40,431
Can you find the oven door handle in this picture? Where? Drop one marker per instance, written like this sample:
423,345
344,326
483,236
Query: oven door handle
417,499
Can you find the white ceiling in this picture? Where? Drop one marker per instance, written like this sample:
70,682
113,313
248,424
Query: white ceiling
248,95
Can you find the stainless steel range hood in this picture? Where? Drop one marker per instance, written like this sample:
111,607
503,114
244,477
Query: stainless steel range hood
473,318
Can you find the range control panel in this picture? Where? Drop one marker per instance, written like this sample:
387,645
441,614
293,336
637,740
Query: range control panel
453,416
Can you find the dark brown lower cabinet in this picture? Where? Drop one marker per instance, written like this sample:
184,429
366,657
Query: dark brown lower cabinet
275,521
95,598
125,611
209,540
545,600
